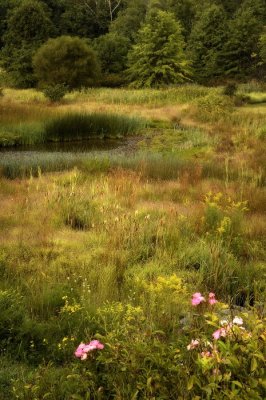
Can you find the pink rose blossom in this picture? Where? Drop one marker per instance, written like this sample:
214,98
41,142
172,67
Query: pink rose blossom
197,298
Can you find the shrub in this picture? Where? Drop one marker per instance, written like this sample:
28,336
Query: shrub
56,92
67,61
230,89
214,107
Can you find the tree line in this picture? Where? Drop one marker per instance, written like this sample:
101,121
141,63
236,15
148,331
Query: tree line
145,43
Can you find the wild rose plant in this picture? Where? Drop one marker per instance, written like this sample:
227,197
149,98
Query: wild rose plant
83,349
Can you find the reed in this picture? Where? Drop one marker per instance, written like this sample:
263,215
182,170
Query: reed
83,126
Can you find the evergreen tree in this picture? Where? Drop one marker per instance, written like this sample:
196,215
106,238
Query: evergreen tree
206,42
241,49
184,11
28,26
158,57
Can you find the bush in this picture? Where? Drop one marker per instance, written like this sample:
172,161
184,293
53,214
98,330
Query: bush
67,61
55,93
230,89
11,314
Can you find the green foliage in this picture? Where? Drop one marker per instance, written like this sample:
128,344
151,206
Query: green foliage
112,50
66,60
77,126
230,89
214,107
241,49
129,20
206,42
12,315
56,92
158,57
262,45
84,18
28,26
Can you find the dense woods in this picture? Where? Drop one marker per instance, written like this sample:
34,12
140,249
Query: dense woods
205,41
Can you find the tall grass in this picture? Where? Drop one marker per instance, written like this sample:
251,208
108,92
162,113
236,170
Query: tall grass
148,97
69,127
83,126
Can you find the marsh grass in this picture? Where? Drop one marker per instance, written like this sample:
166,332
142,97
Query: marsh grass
83,126
147,97
68,127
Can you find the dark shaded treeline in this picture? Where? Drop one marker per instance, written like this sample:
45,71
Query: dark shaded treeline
218,40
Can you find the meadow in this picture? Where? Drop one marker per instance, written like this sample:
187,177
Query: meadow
153,258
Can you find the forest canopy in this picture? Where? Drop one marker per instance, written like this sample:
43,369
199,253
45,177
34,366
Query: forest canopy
204,41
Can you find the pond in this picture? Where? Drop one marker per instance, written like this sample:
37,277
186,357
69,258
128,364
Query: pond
55,156
88,146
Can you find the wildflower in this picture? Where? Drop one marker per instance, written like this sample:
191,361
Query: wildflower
98,345
238,321
83,349
197,298
219,333
212,299
193,344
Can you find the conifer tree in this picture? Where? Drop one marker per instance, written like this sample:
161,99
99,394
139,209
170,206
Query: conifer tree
241,49
206,42
158,57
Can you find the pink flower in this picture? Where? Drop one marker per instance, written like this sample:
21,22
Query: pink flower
197,298
79,350
97,344
212,299
83,349
193,344
219,333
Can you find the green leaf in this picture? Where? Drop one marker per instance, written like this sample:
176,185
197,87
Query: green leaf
254,364
191,382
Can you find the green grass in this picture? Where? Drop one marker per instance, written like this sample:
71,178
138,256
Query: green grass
69,127
147,97
83,126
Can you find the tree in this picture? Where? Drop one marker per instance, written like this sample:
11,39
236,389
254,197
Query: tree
206,42
112,50
158,57
66,60
241,49
129,20
28,26
184,11
262,47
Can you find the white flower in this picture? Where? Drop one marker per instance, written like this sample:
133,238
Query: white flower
238,321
